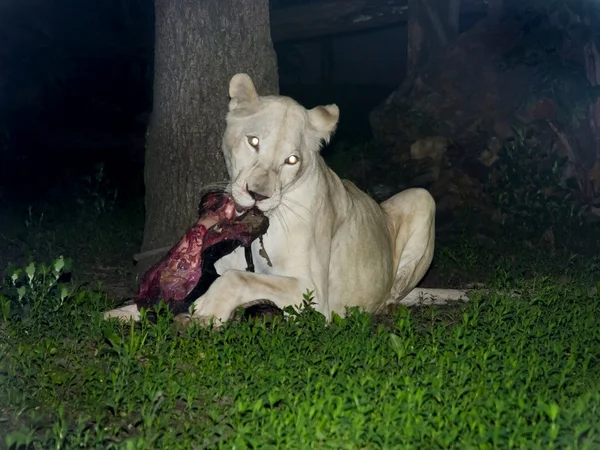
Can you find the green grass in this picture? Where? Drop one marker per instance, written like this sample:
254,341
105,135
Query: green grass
498,372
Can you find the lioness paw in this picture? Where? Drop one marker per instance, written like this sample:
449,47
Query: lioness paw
124,313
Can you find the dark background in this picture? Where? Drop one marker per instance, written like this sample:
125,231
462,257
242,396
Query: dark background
76,89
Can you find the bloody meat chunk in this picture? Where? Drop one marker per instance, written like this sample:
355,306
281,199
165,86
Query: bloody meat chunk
174,277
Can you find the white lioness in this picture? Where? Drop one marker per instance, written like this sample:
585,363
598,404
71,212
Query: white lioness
325,234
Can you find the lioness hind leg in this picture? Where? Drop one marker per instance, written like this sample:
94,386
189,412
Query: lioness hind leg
411,221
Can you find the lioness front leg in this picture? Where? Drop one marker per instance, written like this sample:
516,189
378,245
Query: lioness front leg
236,288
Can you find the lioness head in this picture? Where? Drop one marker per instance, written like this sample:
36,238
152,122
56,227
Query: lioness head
271,144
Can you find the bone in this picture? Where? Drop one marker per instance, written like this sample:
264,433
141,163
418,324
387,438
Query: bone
431,296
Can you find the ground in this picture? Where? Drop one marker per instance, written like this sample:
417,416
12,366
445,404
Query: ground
501,371
101,232
516,367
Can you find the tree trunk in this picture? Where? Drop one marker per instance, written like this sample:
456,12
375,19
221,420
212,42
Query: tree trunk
199,46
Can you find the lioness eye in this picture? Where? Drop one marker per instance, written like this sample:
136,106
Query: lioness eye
292,160
253,141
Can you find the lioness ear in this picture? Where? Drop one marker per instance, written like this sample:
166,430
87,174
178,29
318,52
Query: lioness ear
324,119
241,91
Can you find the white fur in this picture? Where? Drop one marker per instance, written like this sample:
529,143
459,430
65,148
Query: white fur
325,234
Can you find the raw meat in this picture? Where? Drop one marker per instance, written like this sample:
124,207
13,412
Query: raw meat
174,277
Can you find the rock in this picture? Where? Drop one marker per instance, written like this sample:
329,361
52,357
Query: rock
490,155
431,147
484,91
430,151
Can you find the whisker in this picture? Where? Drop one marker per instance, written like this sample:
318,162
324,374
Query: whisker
287,199
217,185
284,220
279,217
287,232
290,209
284,225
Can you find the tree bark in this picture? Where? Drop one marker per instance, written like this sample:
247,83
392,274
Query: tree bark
199,46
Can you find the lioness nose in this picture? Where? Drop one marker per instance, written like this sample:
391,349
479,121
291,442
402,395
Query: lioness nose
255,195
